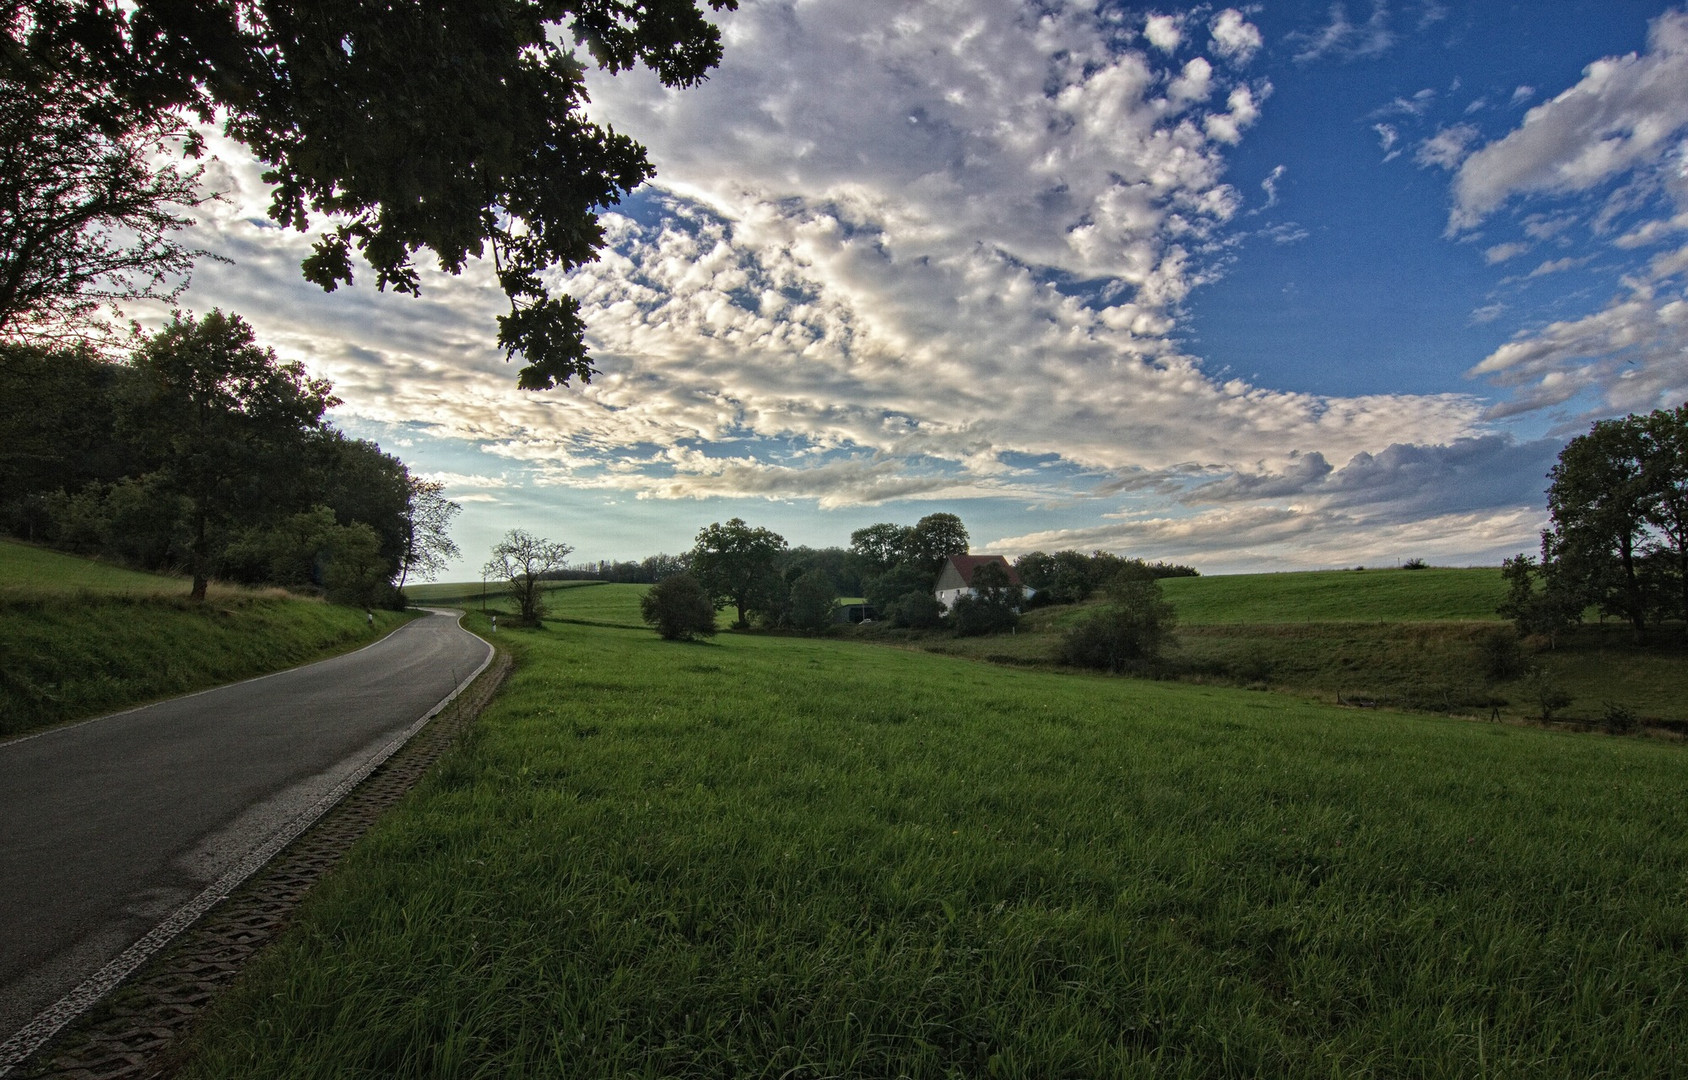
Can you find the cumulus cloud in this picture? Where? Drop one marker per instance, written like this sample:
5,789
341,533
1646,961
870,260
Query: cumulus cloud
892,251
1627,357
1165,32
1234,37
1622,114
1270,185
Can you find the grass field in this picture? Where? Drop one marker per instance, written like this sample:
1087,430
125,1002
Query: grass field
1430,595
83,638
782,857
1411,638
475,594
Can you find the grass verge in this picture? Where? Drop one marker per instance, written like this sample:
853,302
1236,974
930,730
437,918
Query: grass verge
779,857
82,638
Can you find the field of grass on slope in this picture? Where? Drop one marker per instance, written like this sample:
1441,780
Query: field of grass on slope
799,858
83,638
1412,638
1430,595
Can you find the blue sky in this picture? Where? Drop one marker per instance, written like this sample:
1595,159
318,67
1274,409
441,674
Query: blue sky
1265,286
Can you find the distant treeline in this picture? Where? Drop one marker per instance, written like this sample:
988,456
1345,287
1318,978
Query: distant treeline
205,454
894,567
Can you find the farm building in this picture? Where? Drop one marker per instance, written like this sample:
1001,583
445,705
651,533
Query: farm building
955,580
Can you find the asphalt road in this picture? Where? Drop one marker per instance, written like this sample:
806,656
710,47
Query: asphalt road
109,827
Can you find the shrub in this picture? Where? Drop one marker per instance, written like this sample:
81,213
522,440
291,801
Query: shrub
812,602
1618,719
1128,631
1548,695
916,611
1499,654
1415,564
993,608
679,609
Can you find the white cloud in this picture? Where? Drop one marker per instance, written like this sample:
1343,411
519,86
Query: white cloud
1502,252
1447,147
1234,38
1345,39
1621,115
1270,185
1627,357
1554,266
892,250
1165,32
1387,136
1522,94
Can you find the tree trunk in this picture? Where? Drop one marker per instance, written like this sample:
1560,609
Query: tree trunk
197,557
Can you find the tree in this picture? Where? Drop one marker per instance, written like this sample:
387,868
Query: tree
993,607
1619,509
738,564
223,418
1130,629
678,608
813,600
428,547
1549,610
57,430
935,538
522,560
1664,478
455,126
1596,501
881,546
87,216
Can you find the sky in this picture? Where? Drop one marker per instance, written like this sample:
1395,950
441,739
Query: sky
1277,286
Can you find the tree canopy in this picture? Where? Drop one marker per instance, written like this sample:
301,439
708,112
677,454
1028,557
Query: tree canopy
455,127
220,413
1618,504
738,563
206,453
88,216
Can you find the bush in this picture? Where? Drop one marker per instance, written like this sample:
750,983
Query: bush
1128,632
1548,695
679,609
993,607
971,616
812,601
1499,654
1415,564
916,611
1618,719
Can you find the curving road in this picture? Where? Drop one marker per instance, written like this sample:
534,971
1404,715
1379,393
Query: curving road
110,827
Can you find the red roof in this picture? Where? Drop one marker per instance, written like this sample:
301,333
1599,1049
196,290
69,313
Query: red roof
965,565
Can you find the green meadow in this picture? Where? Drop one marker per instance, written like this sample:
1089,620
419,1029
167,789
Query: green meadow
769,856
1407,638
84,638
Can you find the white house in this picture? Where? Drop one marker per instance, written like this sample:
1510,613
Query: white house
955,580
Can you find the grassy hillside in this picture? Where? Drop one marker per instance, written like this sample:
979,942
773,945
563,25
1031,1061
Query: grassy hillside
1411,638
787,857
33,570
1428,595
82,638
473,594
